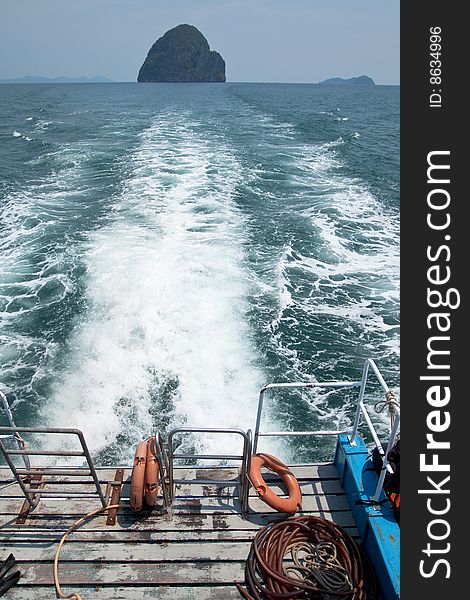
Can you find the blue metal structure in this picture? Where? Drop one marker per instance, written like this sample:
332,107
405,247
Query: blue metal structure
377,525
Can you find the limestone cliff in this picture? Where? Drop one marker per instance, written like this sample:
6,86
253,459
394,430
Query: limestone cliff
182,55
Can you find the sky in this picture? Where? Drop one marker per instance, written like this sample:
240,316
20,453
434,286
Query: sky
260,40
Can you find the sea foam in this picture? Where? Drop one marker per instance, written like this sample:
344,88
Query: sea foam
165,340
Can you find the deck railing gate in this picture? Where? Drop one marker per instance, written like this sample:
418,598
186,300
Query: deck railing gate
243,458
24,475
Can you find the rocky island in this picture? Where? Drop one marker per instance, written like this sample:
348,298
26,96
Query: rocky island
182,55
361,80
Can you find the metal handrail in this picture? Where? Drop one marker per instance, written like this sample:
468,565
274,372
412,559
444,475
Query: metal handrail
361,410
162,460
310,385
244,458
33,495
19,440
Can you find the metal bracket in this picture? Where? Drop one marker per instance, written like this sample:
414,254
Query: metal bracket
116,486
35,482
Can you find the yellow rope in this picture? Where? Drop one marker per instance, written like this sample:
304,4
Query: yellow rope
102,509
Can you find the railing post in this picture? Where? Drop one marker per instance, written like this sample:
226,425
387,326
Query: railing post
170,467
19,480
385,461
91,466
258,417
163,466
362,390
244,484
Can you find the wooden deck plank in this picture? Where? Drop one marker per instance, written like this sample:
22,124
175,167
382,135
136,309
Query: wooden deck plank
135,573
321,471
79,507
200,592
308,488
215,520
327,486
131,551
108,535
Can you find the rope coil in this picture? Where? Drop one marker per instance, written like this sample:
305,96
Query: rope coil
391,403
320,562
307,557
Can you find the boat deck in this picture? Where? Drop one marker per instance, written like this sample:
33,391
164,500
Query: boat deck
196,551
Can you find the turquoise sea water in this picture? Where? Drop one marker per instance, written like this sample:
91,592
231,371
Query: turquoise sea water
166,249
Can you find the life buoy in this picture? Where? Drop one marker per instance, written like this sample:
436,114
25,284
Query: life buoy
287,505
151,474
138,477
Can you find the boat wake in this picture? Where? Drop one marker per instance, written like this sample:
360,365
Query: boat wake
164,340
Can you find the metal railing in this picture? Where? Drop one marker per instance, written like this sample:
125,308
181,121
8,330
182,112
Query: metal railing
244,458
167,457
353,431
22,475
16,436
394,410
164,469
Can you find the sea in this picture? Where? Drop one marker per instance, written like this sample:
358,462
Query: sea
167,249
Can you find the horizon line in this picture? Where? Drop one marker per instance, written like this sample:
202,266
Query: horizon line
15,81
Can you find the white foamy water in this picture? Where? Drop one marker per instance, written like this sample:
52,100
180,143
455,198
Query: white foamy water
351,280
35,265
357,242
166,293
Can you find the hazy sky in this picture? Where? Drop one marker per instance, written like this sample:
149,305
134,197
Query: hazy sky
261,40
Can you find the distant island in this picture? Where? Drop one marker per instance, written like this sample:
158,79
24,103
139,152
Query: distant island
361,80
39,79
182,55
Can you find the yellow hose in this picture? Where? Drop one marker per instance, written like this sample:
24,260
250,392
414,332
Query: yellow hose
102,509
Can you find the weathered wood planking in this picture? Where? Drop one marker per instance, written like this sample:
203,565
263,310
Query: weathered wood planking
310,503
311,472
131,551
317,487
108,535
326,487
196,552
200,592
125,520
135,573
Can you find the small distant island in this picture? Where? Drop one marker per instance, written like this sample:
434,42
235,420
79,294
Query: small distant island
39,79
182,55
361,80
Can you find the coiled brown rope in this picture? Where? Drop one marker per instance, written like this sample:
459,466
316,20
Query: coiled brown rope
307,557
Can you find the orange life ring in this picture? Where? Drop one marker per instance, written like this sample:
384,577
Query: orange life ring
287,505
151,474
138,476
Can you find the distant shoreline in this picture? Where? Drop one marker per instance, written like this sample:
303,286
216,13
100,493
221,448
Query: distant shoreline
62,79
348,86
